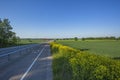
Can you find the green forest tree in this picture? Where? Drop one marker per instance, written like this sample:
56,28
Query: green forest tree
7,36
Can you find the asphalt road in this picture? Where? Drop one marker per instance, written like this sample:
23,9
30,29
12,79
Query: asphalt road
16,48
33,66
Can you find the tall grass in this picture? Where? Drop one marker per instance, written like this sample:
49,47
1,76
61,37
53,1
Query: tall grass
71,64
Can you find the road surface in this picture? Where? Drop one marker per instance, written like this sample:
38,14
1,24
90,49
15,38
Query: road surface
16,48
34,66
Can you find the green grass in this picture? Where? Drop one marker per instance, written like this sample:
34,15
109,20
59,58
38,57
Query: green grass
31,41
110,48
28,41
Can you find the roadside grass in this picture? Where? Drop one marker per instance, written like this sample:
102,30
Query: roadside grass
27,41
73,64
110,48
30,41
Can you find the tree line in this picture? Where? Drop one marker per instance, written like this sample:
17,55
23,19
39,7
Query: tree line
91,38
7,36
102,38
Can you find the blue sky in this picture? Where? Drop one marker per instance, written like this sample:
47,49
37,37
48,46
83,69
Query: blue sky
62,18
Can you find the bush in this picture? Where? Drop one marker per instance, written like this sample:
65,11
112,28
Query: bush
71,64
61,67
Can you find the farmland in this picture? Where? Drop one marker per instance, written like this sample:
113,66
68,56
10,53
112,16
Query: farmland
110,48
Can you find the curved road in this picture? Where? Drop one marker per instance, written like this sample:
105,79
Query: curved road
34,66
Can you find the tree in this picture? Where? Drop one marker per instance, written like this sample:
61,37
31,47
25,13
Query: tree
6,34
76,39
83,39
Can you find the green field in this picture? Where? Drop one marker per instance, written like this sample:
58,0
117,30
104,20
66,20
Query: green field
110,48
31,41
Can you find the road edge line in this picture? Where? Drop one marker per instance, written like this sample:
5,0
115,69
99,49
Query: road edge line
26,72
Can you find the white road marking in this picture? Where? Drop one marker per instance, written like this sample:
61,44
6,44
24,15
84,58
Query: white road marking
31,65
15,51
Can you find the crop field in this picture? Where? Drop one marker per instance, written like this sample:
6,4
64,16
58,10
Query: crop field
110,48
